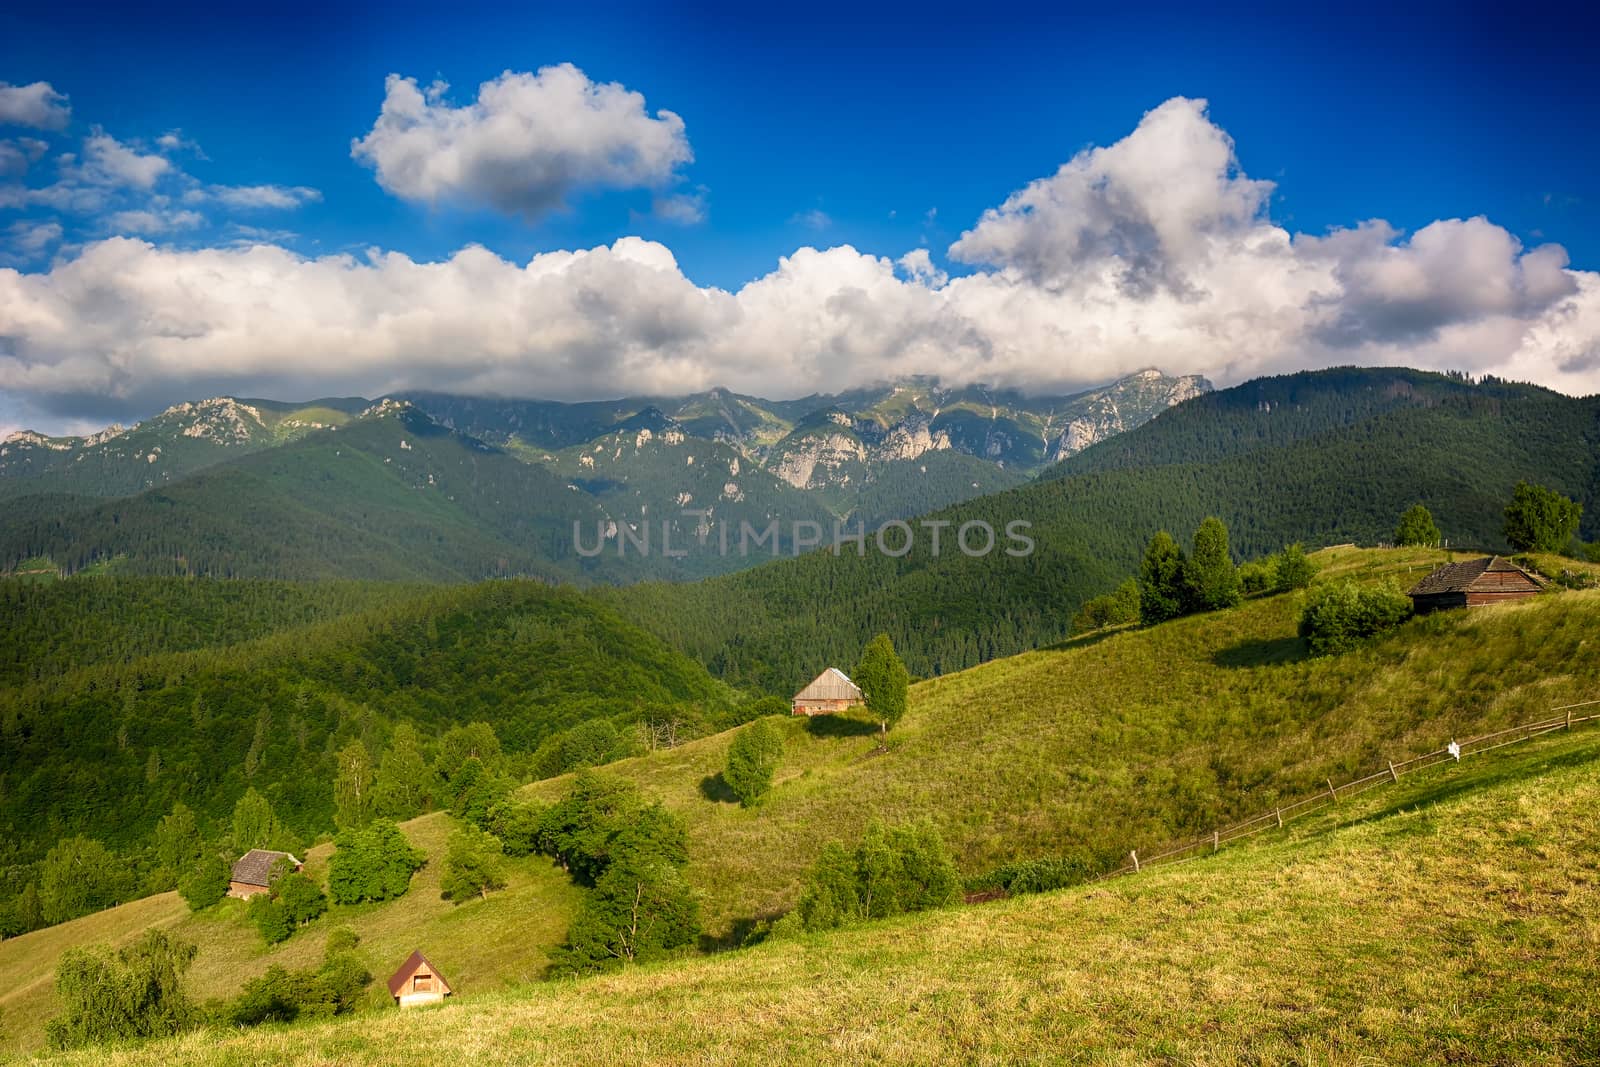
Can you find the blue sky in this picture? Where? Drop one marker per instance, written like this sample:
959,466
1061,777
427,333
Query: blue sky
883,130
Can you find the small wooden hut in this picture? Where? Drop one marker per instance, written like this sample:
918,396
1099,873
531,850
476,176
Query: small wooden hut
830,691
418,982
252,872
1472,584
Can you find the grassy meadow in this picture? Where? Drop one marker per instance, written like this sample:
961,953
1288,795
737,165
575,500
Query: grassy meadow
1127,739
479,945
1115,740
1448,919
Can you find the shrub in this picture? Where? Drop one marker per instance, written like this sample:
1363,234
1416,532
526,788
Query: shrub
752,710
1293,570
1259,575
300,897
271,919
1339,617
1113,609
753,759
893,870
133,992
372,864
1032,876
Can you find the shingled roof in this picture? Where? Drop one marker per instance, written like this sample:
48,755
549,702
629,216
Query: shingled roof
831,684
1473,574
255,866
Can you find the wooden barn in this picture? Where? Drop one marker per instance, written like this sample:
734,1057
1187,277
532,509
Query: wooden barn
830,691
1472,584
418,982
252,872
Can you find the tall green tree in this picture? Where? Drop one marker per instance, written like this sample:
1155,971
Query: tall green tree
1161,580
206,881
1417,528
1210,579
254,823
132,992
753,759
1539,519
476,740
473,865
641,909
178,845
375,863
405,785
353,792
80,875
883,680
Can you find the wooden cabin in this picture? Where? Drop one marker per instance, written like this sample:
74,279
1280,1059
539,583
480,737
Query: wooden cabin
1473,584
252,872
830,691
418,982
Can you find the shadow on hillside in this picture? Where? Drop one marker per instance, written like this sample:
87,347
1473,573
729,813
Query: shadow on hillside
1261,653
715,788
742,933
840,726
1459,784
1094,637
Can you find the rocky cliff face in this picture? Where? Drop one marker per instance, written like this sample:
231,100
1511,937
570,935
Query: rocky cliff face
1122,406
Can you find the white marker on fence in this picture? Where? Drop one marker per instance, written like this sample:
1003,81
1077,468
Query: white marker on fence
1455,750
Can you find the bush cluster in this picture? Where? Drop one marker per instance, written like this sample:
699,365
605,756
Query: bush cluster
1339,617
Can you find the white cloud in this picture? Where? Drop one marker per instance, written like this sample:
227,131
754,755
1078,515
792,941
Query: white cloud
37,105
688,209
153,222
109,162
524,145
26,240
815,219
260,196
1153,251
16,156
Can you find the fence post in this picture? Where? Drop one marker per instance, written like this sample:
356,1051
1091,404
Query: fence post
1332,792
1135,854
1569,718
1216,840
1279,813
1392,772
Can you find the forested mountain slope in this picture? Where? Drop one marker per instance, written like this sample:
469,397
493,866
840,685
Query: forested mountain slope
106,751
1322,458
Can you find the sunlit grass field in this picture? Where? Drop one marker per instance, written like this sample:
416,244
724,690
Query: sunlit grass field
1453,918
1109,742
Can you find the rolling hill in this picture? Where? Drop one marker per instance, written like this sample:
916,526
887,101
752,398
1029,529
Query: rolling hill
1441,920
1109,742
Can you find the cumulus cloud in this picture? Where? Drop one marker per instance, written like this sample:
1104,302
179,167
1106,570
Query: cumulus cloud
107,161
1153,251
687,209
153,222
524,145
37,105
26,240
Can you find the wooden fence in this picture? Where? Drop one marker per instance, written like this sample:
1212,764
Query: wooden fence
1278,816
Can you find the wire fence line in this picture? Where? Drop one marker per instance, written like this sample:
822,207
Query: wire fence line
1275,819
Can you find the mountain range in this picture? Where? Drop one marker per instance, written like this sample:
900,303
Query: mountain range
440,487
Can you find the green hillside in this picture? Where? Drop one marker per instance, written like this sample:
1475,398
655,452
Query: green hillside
1323,458
106,751
51,628
1441,921
483,944
1118,740
391,496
